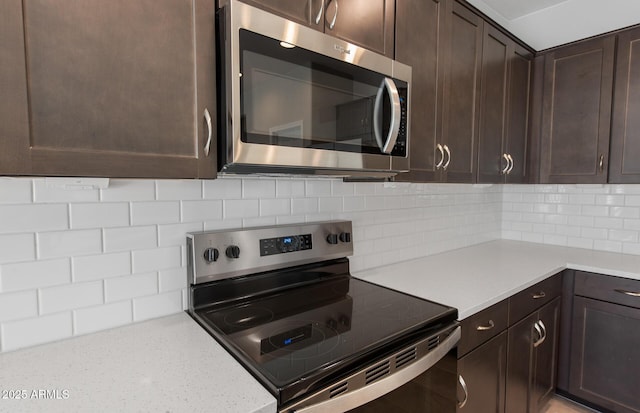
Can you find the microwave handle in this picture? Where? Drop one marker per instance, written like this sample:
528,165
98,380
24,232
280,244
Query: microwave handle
389,143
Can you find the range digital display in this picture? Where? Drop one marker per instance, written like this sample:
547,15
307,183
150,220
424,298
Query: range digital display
282,245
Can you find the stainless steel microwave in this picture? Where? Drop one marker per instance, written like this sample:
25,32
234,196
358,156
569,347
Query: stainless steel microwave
295,100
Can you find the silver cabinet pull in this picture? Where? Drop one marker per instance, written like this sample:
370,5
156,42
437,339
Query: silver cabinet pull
466,391
332,24
319,16
487,327
541,335
439,164
539,295
506,167
601,163
207,118
629,293
510,159
446,165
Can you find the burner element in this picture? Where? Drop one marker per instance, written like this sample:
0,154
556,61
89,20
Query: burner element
246,317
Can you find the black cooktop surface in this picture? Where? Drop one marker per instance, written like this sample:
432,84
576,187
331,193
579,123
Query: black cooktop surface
290,336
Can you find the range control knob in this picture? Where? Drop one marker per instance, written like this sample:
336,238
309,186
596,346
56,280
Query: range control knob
345,237
233,251
332,238
211,254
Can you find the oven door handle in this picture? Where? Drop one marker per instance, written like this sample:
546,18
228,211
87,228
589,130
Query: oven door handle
394,129
364,395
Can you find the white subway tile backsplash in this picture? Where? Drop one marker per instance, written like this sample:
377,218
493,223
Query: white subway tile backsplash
15,191
34,274
69,297
244,208
624,212
157,305
32,331
130,238
176,234
198,211
69,243
92,319
275,207
328,205
17,247
99,215
33,218
174,279
258,188
148,213
290,188
98,267
319,188
129,190
624,236
223,188
303,206
156,259
44,191
15,306
178,190
130,286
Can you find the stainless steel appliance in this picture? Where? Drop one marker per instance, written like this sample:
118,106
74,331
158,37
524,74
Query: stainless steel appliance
282,302
295,100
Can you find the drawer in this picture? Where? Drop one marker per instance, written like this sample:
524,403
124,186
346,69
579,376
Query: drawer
527,301
483,326
608,288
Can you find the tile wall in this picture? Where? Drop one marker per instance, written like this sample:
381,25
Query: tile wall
600,217
78,261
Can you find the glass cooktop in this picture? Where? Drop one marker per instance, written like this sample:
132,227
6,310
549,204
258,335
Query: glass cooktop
289,336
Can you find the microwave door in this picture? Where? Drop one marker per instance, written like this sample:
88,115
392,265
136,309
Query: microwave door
387,144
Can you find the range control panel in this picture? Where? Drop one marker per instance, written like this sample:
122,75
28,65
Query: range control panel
216,255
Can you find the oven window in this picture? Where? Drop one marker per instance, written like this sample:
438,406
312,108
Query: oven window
293,97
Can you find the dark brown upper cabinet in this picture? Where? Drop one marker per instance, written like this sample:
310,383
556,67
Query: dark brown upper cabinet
121,88
576,112
624,165
460,68
418,45
504,108
366,23
14,115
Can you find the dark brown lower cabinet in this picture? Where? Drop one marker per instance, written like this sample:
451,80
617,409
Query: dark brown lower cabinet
605,354
532,360
483,373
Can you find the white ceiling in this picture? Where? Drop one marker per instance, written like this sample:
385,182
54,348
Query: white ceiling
547,23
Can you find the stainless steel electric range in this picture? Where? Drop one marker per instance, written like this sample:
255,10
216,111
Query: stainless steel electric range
281,300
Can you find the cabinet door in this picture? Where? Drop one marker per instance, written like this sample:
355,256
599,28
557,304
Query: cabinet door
576,114
14,117
546,360
496,52
417,45
462,39
520,362
307,12
605,357
114,89
625,128
517,116
367,23
483,374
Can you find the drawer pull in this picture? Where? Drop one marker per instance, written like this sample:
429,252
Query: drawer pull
539,295
629,293
487,327
466,392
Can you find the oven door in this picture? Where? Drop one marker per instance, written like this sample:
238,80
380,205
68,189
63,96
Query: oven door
425,384
298,98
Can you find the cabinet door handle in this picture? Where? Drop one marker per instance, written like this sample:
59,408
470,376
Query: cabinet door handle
511,163
541,335
466,391
539,295
207,118
332,24
439,164
629,293
446,165
601,164
319,15
487,327
506,167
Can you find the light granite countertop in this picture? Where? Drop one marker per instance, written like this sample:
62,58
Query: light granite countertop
474,278
170,364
